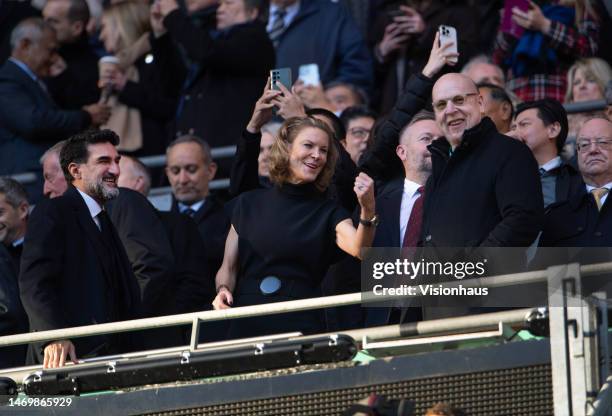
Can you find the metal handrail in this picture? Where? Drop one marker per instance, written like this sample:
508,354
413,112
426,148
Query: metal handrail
265,309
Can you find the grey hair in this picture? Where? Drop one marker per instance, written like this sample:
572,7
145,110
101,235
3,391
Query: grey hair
478,59
13,191
55,149
31,29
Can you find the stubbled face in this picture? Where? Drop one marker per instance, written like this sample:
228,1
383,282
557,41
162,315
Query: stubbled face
530,129
341,98
55,181
308,155
98,176
263,161
585,87
188,172
412,149
109,34
358,136
11,221
56,14
595,162
232,12
457,106
486,73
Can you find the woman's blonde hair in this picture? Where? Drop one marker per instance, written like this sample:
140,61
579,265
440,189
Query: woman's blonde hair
280,171
596,68
131,18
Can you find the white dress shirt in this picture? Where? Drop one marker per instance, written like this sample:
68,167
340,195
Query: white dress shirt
93,207
552,164
409,196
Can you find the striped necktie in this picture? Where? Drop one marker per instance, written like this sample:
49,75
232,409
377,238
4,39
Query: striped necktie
278,27
598,194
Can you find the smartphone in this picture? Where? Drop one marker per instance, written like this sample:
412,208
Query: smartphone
282,75
508,25
448,34
309,74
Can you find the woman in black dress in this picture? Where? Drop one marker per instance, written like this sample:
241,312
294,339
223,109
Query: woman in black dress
283,239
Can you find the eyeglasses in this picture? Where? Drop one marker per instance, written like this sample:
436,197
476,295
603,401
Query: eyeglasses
359,133
457,100
584,145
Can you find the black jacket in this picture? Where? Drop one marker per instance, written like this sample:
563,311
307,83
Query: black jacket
78,84
147,246
13,319
486,194
66,277
192,288
161,74
577,223
213,225
233,66
569,181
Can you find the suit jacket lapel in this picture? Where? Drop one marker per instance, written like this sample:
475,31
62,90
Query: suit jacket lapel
30,84
89,228
391,202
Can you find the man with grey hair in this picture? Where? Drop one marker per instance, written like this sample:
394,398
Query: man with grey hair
74,268
481,69
55,183
29,117
190,168
14,209
134,175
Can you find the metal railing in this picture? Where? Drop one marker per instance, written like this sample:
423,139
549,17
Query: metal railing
196,318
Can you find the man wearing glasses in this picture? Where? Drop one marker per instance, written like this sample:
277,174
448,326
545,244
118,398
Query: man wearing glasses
586,219
485,188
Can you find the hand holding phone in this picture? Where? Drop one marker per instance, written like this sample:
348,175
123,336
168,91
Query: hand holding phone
280,75
448,36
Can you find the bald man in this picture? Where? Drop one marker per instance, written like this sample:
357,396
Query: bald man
485,187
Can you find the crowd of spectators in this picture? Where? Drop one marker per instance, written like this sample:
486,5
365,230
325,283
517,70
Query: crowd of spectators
399,141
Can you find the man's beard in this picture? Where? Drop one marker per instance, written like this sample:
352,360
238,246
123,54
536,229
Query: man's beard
98,191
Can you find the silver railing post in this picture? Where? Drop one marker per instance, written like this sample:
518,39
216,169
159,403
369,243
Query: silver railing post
573,342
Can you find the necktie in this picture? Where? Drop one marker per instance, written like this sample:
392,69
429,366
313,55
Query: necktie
106,228
598,194
413,229
189,212
278,27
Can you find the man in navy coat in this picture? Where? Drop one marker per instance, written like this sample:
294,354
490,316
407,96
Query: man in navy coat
30,122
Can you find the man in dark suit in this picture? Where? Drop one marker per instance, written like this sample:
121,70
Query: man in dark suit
142,233
190,169
30,121
74,269
400,202
13,223
191,288
74,83
584,220
542,125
